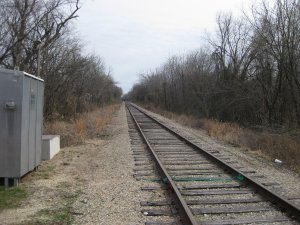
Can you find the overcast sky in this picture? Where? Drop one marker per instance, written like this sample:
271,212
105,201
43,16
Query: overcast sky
136,36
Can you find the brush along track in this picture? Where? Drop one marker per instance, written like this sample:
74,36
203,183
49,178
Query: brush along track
204,187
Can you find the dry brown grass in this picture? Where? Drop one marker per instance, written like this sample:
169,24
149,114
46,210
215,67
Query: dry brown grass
267,143
86,126
228,132
80,128
272,145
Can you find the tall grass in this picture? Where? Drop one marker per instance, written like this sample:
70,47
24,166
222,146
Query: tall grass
86,126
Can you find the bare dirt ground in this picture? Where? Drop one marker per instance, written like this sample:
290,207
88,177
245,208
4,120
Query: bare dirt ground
93,183
87,184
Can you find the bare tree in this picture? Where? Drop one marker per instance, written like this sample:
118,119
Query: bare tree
26,21
277,42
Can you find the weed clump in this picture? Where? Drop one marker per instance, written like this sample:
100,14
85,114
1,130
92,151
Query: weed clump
12,197
85,126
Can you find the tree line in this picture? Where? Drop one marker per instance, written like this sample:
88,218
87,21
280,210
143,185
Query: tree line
249,72
74,82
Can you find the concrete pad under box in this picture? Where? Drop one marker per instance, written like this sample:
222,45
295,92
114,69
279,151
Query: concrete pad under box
50,146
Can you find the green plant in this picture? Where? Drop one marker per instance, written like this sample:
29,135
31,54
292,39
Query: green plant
12,197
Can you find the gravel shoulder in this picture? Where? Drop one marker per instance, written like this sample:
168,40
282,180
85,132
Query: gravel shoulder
111,193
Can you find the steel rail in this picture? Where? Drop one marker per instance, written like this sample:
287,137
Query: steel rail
186,215
284,204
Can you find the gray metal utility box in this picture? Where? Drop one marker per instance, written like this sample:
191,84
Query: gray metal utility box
21,115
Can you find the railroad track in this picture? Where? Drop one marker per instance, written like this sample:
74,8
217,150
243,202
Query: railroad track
190,185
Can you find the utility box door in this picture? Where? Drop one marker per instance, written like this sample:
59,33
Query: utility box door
10,122
33,93
21,98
